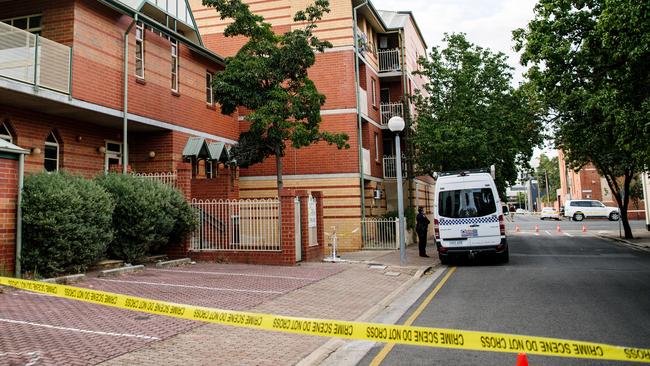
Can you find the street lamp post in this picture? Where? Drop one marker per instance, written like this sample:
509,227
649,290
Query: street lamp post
396,124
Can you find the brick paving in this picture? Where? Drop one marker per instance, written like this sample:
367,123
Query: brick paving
42,330
345,296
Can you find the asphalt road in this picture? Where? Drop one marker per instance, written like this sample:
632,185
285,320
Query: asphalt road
558,285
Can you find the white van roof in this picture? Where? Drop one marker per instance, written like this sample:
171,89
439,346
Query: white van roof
463,178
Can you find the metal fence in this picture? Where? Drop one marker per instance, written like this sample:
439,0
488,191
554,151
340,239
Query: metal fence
34,60
389,110
389,60
380,233
237,225
390,167
163,177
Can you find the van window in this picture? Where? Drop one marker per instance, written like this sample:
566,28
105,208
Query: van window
476,202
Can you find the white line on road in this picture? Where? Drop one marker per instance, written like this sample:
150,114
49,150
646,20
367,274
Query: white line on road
194,287
234,274
567,234
12,321
549,234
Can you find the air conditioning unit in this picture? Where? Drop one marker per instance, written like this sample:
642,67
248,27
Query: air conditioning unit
377,194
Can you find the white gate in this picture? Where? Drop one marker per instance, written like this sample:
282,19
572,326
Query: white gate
381,233
313,223
237,225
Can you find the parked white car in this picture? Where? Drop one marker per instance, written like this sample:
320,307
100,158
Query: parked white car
579,210
549,213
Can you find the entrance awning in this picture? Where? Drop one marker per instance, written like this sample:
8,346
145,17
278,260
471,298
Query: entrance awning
197,148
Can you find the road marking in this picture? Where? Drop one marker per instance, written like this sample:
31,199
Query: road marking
194,287
389,346
549,234
567,234
234,274
21,322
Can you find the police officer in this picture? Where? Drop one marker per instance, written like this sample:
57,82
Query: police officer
422,228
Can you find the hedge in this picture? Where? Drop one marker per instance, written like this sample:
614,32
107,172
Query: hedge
66,223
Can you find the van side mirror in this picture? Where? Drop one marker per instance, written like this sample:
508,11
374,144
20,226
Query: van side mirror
506,212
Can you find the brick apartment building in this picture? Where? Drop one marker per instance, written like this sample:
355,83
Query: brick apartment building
587,183
69,97
358,182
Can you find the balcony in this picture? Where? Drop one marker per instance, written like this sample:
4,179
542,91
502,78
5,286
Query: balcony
390,167
34,60
390,60
390,110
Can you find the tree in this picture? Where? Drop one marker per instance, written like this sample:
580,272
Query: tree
548,168
589,65
268,76
471,116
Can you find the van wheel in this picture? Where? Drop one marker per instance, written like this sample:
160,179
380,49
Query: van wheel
578,217
504,257
443,259
614,216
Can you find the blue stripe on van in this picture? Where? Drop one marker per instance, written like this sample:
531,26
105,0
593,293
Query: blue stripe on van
470,220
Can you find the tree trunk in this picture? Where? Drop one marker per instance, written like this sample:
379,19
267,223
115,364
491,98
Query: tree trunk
626,202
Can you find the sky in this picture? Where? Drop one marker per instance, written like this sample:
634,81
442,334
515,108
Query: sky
487,23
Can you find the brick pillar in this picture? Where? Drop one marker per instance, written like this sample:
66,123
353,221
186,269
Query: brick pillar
304,223
287,238
320,225
184,181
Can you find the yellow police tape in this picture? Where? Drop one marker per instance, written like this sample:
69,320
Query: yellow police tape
419,336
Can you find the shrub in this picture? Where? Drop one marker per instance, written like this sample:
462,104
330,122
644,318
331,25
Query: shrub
409,216
66,223
147,214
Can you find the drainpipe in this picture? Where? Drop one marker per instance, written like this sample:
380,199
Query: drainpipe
407,113
357,85
19,214
125,121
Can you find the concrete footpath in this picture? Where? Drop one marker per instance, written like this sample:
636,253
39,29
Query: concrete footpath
641,239
372,286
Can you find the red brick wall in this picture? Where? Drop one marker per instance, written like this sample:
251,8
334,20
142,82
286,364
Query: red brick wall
57,21
8,196
224,186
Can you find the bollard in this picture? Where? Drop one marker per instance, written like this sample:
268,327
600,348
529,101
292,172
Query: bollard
537,228
522,360
584,228
517,228
558,229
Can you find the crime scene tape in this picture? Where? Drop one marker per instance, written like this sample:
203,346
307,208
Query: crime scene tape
418,336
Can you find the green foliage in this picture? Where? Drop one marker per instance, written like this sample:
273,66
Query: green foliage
409,217
471,117
589,65
269,77
551,169
147,214
66,223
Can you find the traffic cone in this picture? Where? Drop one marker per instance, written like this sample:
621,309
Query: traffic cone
517,228
558,229
522,360
584,228
537,228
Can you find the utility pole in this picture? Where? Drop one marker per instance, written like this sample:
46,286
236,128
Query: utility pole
548,197
645,179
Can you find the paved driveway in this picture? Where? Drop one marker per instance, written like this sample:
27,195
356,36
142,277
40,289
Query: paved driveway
38,329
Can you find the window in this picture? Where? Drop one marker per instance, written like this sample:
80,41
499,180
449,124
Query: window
376,146
5,134
374,92
462,203
174,52
208,169
112,155
30,23
209,98
139,50
51,153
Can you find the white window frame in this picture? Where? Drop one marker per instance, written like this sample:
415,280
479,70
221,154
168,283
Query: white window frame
208,88
374,91
35,30
174,59
7,137
112,154
139,41
54,144
376,147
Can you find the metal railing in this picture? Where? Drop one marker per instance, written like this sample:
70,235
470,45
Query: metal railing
237,225
35,60
381,233
163,177
390,110
389,60
390,167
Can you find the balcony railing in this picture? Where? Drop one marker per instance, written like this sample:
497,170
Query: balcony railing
389,60
390,167
390,110
34,60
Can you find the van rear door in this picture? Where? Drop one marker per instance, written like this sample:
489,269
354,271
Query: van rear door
469,216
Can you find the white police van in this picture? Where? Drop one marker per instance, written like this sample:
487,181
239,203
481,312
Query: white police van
467,216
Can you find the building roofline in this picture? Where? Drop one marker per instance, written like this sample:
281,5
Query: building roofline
417,27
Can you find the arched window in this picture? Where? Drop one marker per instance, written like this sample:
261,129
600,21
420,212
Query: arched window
51,154
5,134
